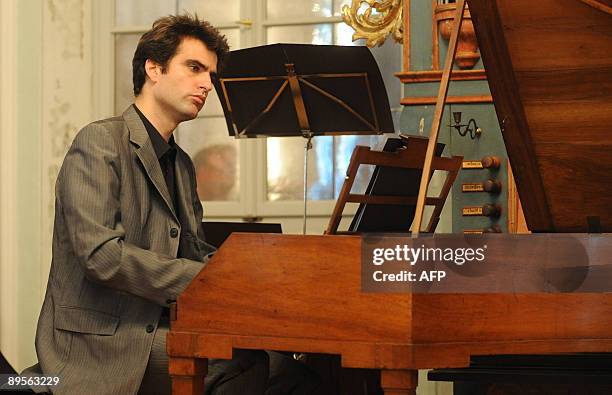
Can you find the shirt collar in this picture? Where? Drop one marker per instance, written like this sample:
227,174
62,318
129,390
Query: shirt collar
160,145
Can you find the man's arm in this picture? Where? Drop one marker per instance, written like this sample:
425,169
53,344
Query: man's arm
89,191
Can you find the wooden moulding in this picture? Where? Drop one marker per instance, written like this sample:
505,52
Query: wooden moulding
406,38
354,354
422,101
408,77
467,47
435,55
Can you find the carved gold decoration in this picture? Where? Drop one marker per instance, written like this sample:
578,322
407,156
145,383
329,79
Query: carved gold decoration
387,20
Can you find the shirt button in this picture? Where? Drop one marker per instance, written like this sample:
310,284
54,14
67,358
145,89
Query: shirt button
150,328
173,232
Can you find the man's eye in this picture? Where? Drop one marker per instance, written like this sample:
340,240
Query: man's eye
194,67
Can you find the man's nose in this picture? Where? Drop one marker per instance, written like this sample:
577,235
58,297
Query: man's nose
206,82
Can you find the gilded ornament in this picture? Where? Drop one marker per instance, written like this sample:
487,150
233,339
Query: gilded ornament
380,19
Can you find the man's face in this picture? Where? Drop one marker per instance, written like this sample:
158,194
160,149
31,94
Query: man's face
182,89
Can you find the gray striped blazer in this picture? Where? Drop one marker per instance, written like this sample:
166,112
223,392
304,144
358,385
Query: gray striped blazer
114,264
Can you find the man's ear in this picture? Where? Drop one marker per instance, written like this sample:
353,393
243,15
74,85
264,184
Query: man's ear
153,70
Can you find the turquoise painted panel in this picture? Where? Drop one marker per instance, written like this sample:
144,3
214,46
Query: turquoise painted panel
489,143
420,35
417,120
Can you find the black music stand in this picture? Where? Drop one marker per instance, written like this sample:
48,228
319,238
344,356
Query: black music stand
303,90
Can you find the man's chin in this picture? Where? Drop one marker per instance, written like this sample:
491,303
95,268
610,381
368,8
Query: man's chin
191,114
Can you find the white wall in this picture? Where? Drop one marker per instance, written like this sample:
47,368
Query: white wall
47,60
8,177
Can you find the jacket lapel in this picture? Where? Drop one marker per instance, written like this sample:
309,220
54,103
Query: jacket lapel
146,154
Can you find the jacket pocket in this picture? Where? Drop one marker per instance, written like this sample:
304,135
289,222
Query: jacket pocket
75,319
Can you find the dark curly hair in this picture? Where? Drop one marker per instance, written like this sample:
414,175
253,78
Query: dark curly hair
161,42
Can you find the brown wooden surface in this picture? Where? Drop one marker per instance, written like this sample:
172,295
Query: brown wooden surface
435,43
421,101
303,294
187,375
549,66
281,292
602,5
496,57
467,48
406,35
516,216
436,75
312,280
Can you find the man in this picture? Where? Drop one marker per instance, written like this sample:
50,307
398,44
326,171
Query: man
126,240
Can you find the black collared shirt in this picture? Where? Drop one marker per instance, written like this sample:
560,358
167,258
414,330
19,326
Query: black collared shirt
166,155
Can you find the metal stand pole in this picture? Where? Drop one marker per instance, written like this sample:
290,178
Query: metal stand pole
307,147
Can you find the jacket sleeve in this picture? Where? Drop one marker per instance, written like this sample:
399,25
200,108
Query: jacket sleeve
88,191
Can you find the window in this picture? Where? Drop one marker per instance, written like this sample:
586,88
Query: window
254,178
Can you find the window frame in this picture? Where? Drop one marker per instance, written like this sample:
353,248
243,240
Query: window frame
253,156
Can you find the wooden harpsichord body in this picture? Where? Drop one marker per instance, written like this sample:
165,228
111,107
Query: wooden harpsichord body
549,66
303,293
